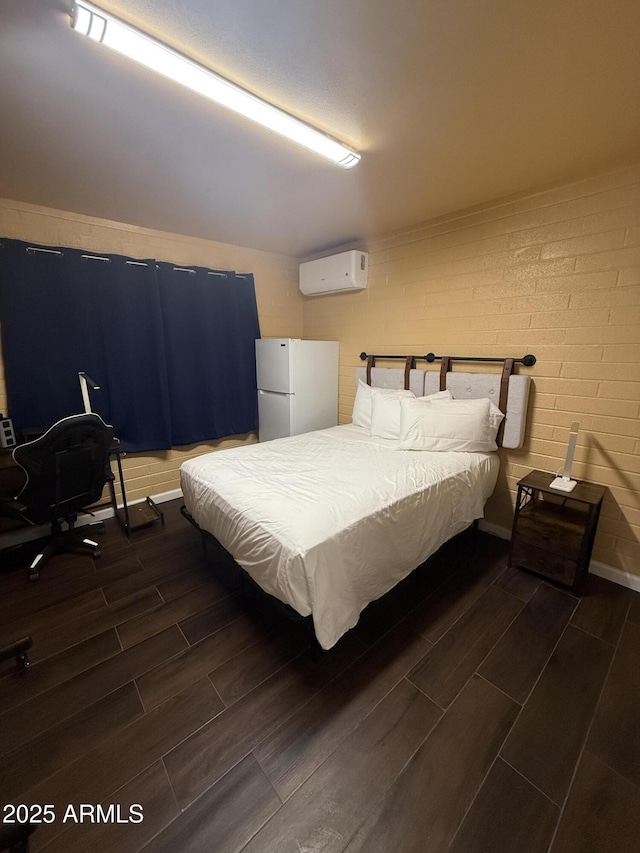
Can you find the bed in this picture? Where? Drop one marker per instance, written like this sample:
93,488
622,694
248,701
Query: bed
330,520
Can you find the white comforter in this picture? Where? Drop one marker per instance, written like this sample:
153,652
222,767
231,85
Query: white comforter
331,520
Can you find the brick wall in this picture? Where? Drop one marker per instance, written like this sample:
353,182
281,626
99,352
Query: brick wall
555,273
278,297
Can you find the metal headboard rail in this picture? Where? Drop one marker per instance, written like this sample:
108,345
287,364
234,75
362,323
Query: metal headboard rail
528,360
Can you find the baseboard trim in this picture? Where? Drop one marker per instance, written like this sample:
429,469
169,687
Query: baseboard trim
494,529
610,573
616,575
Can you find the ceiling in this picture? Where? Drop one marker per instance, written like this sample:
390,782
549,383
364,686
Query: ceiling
451,103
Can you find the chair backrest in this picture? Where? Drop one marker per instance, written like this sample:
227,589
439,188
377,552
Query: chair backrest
66,467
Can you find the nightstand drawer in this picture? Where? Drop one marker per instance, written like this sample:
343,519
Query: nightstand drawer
550,532
552,565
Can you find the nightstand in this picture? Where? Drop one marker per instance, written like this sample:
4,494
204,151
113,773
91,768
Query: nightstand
553,532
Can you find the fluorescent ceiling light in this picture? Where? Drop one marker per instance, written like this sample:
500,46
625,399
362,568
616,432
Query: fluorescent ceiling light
102,27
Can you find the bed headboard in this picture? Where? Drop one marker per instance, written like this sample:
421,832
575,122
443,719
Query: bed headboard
509,391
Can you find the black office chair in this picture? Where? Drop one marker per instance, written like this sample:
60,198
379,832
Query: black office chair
66,470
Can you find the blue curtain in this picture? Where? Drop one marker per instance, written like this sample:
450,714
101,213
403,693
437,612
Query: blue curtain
211,324
172,350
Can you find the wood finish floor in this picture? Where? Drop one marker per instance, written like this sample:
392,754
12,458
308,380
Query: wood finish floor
474,708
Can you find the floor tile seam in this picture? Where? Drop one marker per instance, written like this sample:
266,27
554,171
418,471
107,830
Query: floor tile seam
253,835
72,714
623,622
478,666
546,662
259,683
32,590
104,742
173,793
222,711
424,740
198,728
458,570
589,728
158,608
144,707
202,582
206,790
132,679
189,648
59,684
211,633
62,621
334,750
111,795
370,808
84,754
517,717
282,722
435,642
225,706
164,828
151,583
614,770
562,806
115,623
533,784
496,758
423,598
499,689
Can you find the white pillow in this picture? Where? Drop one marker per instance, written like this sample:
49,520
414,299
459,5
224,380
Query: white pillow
439,395
364,400
442,425
385,412
495,415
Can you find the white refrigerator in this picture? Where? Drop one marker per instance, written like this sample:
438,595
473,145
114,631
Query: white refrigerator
297,386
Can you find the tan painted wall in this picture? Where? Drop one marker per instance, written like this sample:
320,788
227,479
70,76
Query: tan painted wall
557,274
276,278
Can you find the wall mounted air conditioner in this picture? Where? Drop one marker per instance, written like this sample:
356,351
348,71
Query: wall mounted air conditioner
346,271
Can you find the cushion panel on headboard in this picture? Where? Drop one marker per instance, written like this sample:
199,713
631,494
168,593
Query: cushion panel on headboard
469,386
431,382
516,419
393,377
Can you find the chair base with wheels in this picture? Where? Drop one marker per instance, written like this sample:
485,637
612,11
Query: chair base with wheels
72,541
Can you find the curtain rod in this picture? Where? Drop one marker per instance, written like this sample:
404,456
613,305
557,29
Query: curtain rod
131,263
528,360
